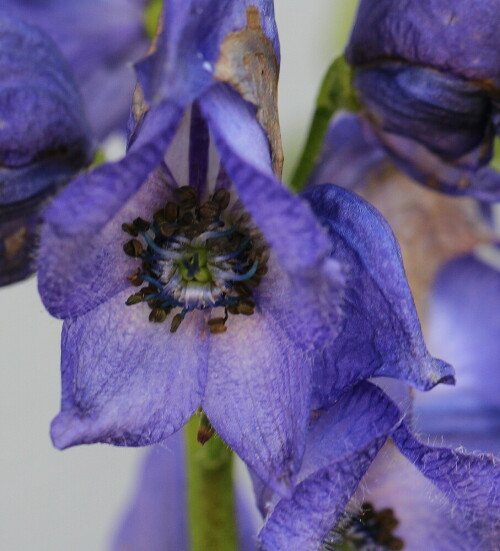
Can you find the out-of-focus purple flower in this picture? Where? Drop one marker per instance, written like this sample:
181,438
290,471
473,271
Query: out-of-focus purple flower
45,138
463,327
198,194
416,497
426,74
156,517
419,495
101,41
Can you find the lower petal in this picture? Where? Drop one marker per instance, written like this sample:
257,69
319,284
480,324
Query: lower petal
257,396
126,381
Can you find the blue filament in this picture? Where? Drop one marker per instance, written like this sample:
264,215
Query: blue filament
153,281
247,275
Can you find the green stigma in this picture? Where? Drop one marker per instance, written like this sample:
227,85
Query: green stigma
194,266
151,16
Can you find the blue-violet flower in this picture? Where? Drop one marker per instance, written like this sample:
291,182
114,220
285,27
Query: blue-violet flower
412,495
427,75
45,138
256,283
100,41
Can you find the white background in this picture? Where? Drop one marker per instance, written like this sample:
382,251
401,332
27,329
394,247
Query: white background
71,500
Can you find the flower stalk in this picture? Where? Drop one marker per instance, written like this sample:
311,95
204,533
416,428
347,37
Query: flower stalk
211,505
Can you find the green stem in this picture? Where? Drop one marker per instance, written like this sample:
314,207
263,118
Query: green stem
335,93
211,508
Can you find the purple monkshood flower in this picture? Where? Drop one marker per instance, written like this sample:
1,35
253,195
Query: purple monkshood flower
100,40
45,138
412,496
463,327
188,275
426,72
156,518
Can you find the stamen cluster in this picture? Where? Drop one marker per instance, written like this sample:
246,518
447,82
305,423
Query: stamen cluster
369,530
196,257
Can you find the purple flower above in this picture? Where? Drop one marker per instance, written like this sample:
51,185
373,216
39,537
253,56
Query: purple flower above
426,74
101,41
45,138
241,290
417,497
419,494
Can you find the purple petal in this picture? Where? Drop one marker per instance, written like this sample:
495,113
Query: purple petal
135,384
45,136
156,518
463,327
300,244
340,448
448,115
468,483
83,227
100,40
257,392
381,334
462,177
351,153
182,66
459,37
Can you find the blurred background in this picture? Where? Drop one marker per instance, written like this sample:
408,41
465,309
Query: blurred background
71,500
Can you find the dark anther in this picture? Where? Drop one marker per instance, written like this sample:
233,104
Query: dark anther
171,212
246,306
222,198
157,315
154,303
135,278
216,325
186,196
133,248
242,290
233,310
159,216
141,224
254,281
209,210
176,321
166,229
261,270
149,290
130,229
186,219
134,299
218,329
205,430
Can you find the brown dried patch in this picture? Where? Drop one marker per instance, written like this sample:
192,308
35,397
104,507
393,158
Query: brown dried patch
139,104
431,228
15,242
248,63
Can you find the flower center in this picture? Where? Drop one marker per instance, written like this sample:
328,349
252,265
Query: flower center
193,257
370,530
